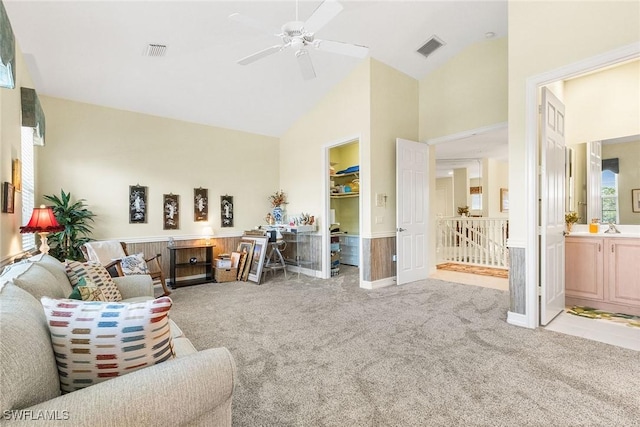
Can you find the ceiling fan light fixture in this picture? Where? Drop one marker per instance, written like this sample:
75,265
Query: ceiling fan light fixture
300,35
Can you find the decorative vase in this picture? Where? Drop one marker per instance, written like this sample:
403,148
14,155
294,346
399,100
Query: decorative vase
278,214
569,227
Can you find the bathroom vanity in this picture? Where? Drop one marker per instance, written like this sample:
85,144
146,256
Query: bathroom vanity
603,271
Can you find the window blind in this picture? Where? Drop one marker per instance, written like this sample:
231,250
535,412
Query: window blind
28,186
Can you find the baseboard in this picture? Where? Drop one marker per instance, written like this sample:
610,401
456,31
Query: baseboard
389,281
517,319
305,271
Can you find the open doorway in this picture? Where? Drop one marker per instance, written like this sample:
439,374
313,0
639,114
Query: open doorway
578,134
344,208
472,173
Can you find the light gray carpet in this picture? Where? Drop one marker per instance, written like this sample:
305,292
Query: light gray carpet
314,352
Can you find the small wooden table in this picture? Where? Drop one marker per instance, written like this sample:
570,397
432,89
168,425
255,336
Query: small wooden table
206,263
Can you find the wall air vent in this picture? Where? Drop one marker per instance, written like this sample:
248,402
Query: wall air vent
430,46
155,50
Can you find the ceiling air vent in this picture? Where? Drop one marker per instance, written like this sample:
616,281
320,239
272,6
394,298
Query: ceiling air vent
155,50
430,46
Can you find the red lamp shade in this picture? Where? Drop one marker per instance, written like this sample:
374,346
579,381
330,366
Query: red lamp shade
42,220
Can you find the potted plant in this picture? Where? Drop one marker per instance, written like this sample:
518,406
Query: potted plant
463,210
571,218
75,217
278,199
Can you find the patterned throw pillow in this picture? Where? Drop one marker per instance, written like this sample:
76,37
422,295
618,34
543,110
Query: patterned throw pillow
94,341
87,291
134,264
97,274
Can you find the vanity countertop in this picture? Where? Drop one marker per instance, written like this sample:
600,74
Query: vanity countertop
626,231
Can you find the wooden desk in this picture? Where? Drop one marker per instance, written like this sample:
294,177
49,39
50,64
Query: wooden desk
179,258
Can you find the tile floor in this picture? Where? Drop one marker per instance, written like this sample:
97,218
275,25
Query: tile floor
606,331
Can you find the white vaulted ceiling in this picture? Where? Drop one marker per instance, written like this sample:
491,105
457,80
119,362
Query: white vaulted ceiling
92,51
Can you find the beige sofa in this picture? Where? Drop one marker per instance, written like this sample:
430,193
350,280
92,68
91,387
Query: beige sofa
195,388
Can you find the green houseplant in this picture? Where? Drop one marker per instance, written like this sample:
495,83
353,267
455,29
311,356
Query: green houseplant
571,218
463,210
75,218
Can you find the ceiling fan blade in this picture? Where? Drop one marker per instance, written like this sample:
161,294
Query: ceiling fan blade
254,23
342,48
320,17
306,66
259,55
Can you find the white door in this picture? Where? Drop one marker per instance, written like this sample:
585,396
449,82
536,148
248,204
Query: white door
552,209
411,210
594,180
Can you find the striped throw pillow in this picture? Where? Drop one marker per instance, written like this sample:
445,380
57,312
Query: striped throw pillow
97,274
94,341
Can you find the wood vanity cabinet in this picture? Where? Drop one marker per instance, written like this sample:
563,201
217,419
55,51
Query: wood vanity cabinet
584,268
603,273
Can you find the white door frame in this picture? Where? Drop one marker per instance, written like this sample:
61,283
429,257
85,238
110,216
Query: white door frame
533,84
326,204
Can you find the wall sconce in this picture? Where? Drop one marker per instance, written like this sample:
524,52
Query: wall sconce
43,222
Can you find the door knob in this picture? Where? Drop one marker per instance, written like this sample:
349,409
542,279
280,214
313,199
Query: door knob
400,229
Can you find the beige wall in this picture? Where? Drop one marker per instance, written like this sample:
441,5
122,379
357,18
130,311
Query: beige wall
10,148
460,189
394,114
468,92
497,177
96,153
603,105
375,103
341,116
444,197
545,36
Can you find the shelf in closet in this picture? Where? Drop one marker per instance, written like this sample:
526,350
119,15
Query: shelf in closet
344,195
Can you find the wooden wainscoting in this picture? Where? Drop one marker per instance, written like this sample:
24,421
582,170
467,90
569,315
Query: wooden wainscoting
312,251
221,245
377,258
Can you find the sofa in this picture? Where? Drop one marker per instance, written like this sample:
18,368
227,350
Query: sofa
194,388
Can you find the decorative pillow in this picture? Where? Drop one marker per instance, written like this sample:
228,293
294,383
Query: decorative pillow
94,341
134,264
97,274
87,291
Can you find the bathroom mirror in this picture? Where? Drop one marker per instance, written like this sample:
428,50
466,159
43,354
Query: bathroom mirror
620,174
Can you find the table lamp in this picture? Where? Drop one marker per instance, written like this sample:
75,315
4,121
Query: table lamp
43,222
208,233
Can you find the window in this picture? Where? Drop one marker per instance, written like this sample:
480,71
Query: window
609,197
476,198
476,202
28,186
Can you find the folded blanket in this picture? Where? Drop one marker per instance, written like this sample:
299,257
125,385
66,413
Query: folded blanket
104,252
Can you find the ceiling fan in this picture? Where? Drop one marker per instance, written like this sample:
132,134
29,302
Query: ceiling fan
300,36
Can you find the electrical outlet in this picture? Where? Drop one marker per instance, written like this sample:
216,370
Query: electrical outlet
379,219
